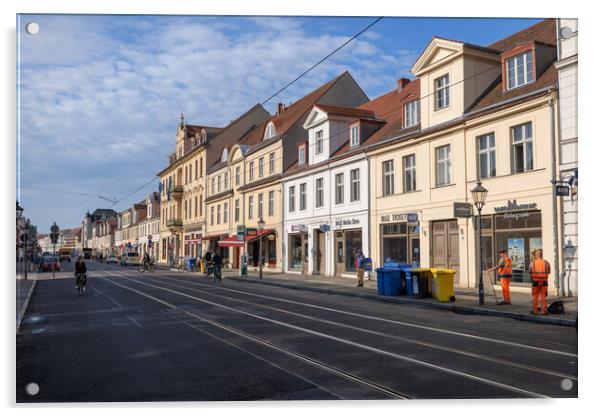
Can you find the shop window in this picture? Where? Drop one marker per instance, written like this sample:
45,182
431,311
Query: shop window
296,255
353,242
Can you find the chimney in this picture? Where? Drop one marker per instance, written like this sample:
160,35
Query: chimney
280,109
401,83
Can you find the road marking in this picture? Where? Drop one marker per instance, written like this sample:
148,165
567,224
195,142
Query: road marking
134,321
375,318
408,340
345,341
268,344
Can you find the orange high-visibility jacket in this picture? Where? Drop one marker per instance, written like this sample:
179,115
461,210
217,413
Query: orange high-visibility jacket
506,271
540,269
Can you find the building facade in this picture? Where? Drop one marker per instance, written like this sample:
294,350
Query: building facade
148,228
568,156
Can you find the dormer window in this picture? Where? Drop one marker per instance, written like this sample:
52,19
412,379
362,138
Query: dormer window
270,131
519,70
319,142
302,154
442,92
225,155
412,113
203,136
354,139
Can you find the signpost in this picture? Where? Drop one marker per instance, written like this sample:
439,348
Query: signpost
240,232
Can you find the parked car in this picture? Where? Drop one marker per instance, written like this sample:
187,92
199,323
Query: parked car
112,259
130,259
49,264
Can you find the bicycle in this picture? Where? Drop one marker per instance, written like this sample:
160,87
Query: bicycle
81,283
217,274
146,266
181,267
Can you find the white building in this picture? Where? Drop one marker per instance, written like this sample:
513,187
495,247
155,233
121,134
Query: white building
326,193
148,228
567,34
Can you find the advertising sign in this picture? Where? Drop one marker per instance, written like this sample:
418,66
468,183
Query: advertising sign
462,210
516,252
563,190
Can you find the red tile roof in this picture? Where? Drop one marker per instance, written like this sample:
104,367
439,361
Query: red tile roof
543,32
346,111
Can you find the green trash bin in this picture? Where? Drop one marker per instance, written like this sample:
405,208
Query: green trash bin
421,283
443,284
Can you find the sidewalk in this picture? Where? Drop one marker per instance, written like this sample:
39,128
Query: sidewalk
24,289
466,298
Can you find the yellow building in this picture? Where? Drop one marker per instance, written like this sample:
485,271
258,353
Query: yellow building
485,114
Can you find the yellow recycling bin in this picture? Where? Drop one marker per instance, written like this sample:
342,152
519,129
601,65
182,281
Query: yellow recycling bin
443,284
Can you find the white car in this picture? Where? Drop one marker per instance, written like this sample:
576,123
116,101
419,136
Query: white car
131,258
112,259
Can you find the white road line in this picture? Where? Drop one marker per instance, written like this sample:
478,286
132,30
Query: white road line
381,334
268,344
134,321
348,342
391,321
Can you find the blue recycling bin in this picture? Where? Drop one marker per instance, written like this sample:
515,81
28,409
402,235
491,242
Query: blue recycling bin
402,270
387,281
191,263
380,280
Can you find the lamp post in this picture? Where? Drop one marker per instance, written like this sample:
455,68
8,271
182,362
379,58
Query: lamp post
19,215
54,235
479,194
260,227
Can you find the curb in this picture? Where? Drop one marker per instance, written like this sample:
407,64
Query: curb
25,305
425,304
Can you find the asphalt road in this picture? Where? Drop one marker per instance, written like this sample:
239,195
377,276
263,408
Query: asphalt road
172,336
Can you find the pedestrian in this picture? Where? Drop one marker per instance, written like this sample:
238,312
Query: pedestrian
208,257
504,272
539,270
360,261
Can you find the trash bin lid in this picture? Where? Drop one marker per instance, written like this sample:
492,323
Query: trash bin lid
398,266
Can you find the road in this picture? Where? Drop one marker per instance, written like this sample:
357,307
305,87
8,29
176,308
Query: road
172,336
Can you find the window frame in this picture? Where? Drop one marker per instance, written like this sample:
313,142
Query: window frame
411,169
303,196
237,210
525,142
354,183
447,162
260,167
251,203
272,162
260,205
319,149
411,113
319,183
520,60
489,153
388,177
354,133
291,198
442,89
271,203
301,155
339,188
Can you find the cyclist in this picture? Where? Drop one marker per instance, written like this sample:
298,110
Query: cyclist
217,266
80,271
208,257
146,260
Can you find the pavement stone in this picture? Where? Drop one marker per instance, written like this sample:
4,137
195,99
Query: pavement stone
466,298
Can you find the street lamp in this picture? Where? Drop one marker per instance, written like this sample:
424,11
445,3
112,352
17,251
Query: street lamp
19,210
479,194
260,227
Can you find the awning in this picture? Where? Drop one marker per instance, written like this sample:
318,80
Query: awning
233,240
213,237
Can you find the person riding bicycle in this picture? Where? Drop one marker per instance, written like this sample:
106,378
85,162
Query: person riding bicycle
146,259
207,258
80,270
217,264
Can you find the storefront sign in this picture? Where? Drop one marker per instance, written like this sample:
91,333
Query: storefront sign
462,210
563,190
405,217
271,237
298,228
324,228
513,206
252,232
341,223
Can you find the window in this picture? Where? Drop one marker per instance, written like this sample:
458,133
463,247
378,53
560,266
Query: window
443,170
201,167
196,169
302,155
251,169
319,192
196,214
185,209
291,199
219,214
251,207
237,210
260,167
237,174
272,162
224,155
185,174
302,196
409,173
339,193
226,216
226,181
270,131
486,145
212,214
522,148
271,203
260,205
190,172
355,185
219,183
355,136
519,70
388,178
442,92
212,186
319,142
412,113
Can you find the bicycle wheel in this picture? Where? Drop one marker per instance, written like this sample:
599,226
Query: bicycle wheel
181,268
141,268
151,268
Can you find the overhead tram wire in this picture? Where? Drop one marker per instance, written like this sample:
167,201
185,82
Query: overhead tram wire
323,59
106,198
134,191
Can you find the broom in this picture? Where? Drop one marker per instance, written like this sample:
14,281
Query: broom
497,302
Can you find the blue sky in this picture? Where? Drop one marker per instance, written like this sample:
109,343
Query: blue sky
99,96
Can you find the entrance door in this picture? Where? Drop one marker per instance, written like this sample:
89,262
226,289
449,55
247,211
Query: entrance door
236,259
318,252
339,253
445,246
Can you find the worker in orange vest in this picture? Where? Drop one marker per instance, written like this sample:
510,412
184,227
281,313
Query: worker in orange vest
539,270
504,272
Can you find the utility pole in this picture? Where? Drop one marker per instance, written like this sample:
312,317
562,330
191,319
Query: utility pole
54,235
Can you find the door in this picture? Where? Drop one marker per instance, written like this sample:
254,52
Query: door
445,246
236,259
339,253
318,252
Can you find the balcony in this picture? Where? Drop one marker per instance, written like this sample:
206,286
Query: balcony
177,192
174,225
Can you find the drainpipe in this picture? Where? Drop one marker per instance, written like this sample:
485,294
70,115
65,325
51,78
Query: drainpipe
557,280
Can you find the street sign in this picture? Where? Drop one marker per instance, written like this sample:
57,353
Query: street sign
412,217
563,190
252,232
462,210
271,237
240,232
324,228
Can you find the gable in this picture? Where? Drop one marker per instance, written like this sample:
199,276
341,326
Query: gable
315,116
438,52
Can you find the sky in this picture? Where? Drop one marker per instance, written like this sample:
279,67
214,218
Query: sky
99,96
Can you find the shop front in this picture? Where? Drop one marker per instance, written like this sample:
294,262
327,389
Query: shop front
251,243
193,244
350,235
400,238
297,248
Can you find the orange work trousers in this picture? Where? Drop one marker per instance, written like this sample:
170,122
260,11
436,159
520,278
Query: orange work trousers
505,281
540,296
